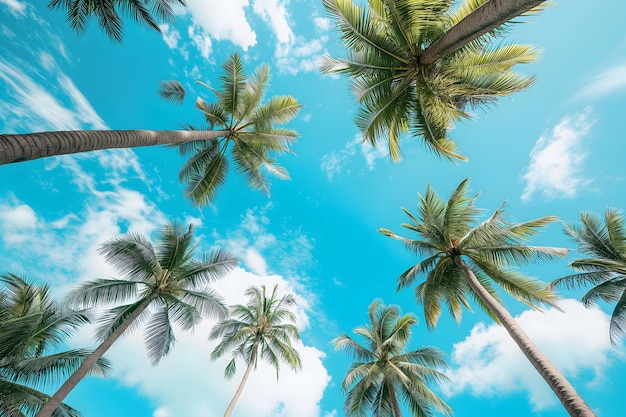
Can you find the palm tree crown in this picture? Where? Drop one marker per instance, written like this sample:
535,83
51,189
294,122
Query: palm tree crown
249,130
160,286
261,329
32,324
240,121
604,242
106,12
448,230
463,258
397,93
167,278
385,373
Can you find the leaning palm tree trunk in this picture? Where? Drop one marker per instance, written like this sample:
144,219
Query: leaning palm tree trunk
83,369
487,17
394,400
231,406
568,396
29,146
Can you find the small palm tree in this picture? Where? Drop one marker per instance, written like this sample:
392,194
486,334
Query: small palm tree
263,328
604,242
463,258
385,373
399,91
32,324
161,286
106,12
239,121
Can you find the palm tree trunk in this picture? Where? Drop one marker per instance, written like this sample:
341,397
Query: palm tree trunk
394,400
231,406
83,369
568,396
29,146
487,17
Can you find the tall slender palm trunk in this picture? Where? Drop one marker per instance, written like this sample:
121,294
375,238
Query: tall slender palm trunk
568,396
394,400
29,146
58,397
487,17
231,406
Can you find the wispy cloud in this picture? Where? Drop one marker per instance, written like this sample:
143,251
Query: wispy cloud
478,361
335,162
556,160
170,35
611,81
16,7
31,106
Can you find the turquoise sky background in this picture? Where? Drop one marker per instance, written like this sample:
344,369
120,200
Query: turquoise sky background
556,149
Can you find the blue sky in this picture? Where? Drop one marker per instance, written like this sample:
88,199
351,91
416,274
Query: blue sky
556,149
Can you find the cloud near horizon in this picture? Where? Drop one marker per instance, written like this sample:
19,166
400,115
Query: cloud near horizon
477,361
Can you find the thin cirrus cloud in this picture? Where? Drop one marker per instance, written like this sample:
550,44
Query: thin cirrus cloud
556,161
478,361
335,162
611,81
29,105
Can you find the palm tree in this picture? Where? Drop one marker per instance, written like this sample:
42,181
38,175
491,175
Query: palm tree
32,324
385,372
401,88
239,120
106,12
263,328
161,286
605,267
462,259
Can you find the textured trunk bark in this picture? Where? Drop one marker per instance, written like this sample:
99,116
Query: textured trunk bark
29,146
568,396
231,406
83,369
487,17
394,400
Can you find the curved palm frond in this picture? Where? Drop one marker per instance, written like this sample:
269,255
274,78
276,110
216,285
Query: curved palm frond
603,241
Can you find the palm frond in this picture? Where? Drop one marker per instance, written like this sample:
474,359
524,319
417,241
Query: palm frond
173,91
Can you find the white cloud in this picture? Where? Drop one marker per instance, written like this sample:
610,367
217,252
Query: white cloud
608,82
334,162
478,361
170,35
200,40
17,222
322,23
16,7
275,14
299,55
223,20
555,169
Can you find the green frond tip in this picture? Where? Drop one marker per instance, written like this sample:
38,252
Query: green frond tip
172,91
